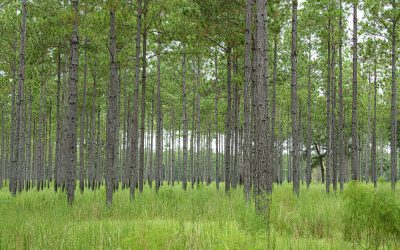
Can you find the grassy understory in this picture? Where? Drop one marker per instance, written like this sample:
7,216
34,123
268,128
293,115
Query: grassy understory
202,218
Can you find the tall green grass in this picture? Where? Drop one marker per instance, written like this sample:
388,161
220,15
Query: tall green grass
200,218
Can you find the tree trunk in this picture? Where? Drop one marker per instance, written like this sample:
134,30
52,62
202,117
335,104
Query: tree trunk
59,123
134,139
373,146
228,124
393,138
263,168
192,168
334,129
72,126
217,169
354,144
178,165
19,122
82,129
341,138
172,168
143,104
151,140
235,122
368,137
328,110
12,169
112,112
185,121
28,175
247,102
2,149
159,145
295,132
50,150
309,131
40,141
197,166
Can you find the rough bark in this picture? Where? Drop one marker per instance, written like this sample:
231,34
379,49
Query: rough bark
2,149
217,168
185,122
247,102
59,123
373,146
354,143
173,165
235,122
294,105
393,109
143,103
309,131
134,139
341,143
197,166
112,112
71,118
228,124
50,149
159,148
263,168
328,109
152,175
82,129
19,122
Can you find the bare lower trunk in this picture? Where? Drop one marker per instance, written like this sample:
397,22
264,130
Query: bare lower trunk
59,124
72,126
354,144
373,146
295,133
82,130
309,131
393,140
143,104
228,125
247,102
217,169
159,147
134,139
341,144
112,113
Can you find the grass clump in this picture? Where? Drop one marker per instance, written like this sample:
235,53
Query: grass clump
200,218
371,216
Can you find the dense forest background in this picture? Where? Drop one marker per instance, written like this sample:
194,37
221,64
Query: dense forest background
125,93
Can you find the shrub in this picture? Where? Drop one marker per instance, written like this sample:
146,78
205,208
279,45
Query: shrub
371,217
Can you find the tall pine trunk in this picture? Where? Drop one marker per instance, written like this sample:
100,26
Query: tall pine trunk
247,102
143,104
159,139
134,135
393,138
82,129
72,126
295,132
228,124
217,168
373,146
354,144
112,112
309,131
341,144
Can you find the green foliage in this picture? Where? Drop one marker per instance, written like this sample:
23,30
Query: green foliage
201,218
371,217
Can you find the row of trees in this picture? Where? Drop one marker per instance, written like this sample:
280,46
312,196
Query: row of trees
197,91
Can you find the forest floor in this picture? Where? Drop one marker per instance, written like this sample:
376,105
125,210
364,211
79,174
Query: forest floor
200,218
